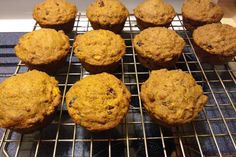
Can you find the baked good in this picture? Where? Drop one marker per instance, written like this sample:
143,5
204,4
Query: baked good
28,101
99,50
158,47
215,43
56,14
107,14
98,102
200,12
44,49
172,97
152,13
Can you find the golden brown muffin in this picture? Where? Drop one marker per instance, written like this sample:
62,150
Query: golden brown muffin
215,43
152,13
172,97
98,102
99,50
28,101
158,47
56,14
107,14
200,12
43,49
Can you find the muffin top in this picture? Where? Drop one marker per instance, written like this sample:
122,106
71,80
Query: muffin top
98,102
107,12
155,11
202,10
26,99
159,43
51,12
99,47
42,46
172,97
216,39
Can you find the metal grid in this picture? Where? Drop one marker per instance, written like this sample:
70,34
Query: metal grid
212,134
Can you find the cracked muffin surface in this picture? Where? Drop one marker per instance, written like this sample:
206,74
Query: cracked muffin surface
42,46
27,100
98,102
219,39
51,12
172,97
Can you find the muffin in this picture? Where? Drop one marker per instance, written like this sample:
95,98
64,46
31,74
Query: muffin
56,14
152,13
215,43
200,12
99,50
172,97
98,102
107,14
28,101
158,47
44,49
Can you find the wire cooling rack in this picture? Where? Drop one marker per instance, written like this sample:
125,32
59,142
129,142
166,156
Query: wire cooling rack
212,134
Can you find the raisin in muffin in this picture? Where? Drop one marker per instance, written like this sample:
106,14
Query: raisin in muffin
56,14
172,97
99,50
215,43
44,49
158,47
28,101
152,13
107,14
98,102
200,12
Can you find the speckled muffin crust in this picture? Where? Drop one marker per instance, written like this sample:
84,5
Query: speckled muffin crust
107,14
200,12
56,14
153,13
158,47
28,101
98,102
43,49
99,50
215,43
172,97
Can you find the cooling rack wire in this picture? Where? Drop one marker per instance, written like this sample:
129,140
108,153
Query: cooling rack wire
211,134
